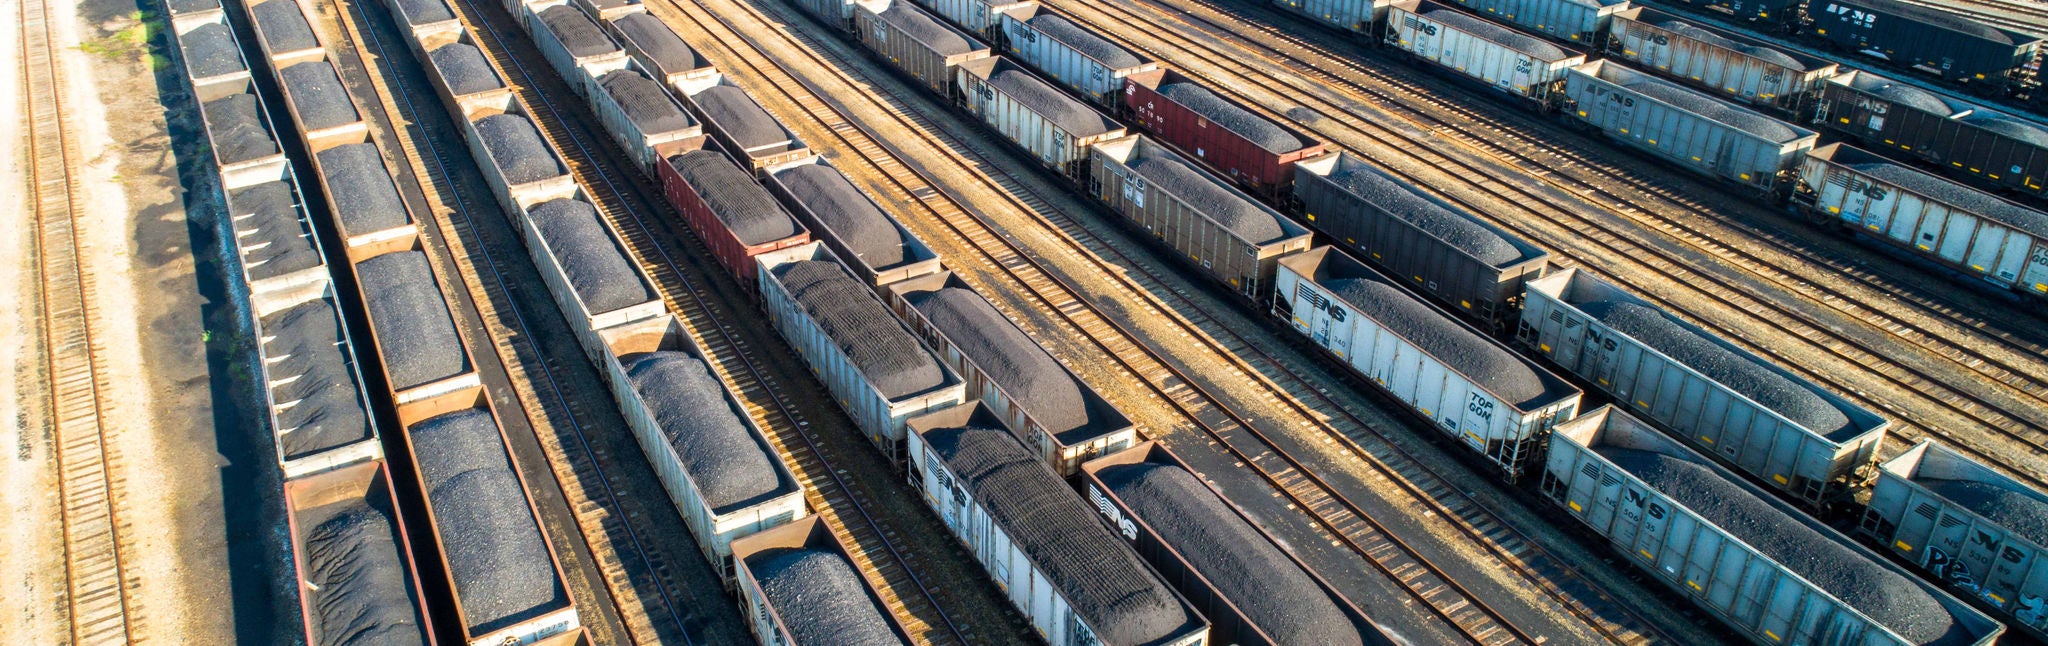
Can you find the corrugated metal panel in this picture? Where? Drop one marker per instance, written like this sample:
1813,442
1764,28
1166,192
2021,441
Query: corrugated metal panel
1579,21
1352,15
1230,153
1247,266
1656,41
1023,125
1803,463
1505,66
1094,79
980,17
909,53
1952,544
1681,125
1709,565
1942,225
1953,136
1956,48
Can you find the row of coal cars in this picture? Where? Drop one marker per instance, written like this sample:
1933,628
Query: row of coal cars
980,416
1746,424
353,550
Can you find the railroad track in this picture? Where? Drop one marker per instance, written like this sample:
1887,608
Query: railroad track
1649,205
624,202
96,595
1466,612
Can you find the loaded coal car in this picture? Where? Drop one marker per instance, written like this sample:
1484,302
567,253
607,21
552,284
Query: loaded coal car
1077,582
368,212
1251,150
317,406
1955,226
422,354
1758,565
716,465
494,554
594,282
733,215
872,364
983,18
660,52
1733,66
874,246
465,79
185,13
606,10
1070,54
283,33
320,107
1486,53
1350,15
1437,248
274,241
1966,526
1947,45
1809,444
1210,549
1784,15
1471,388
213,60
837,14
573,44
1054,127
740,125
1693,130
429,21
1233,237
242,139
641,115
1054,412
355,570
1964,140
1574,21
798,587
519,165
914,42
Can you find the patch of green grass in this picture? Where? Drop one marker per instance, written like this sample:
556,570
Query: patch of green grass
130,42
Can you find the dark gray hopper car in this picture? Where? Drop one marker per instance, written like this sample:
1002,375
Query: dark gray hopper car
1234,238
1433,246
650,41
1963,139
1076,581
800,588
1753,562
238,129
1055,413
1953,47
1253,592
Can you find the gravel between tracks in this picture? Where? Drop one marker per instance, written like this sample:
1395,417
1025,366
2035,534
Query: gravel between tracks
1232,117
848,213
464,69
893,361
1236,213
360,589
1097,574
415,335
1745,375
1245,567
236,126
729,466
365,199
820,599
597,268
2018,511
743,206
1885,596
496,553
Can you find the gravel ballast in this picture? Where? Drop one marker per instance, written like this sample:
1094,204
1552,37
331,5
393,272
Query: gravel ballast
414,331
893,361
1879,593
358,587
284,28
1747,376
1050,102
596,267
464,69
658,42
740,117
743,206
235,125
1242,217
317,95
1477,358
1083,41
925,29
1710,108
1091,568
1902,94
365,200
848,213
1272,591
1963,197
1505,37
820,599
515,145
1011,360
210,51
1456,228
318,405
1264,133
720,453
274,241
577,33
425,12
496,553
2022,513
645,102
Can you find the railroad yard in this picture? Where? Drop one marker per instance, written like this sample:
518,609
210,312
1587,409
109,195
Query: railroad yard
1145,322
